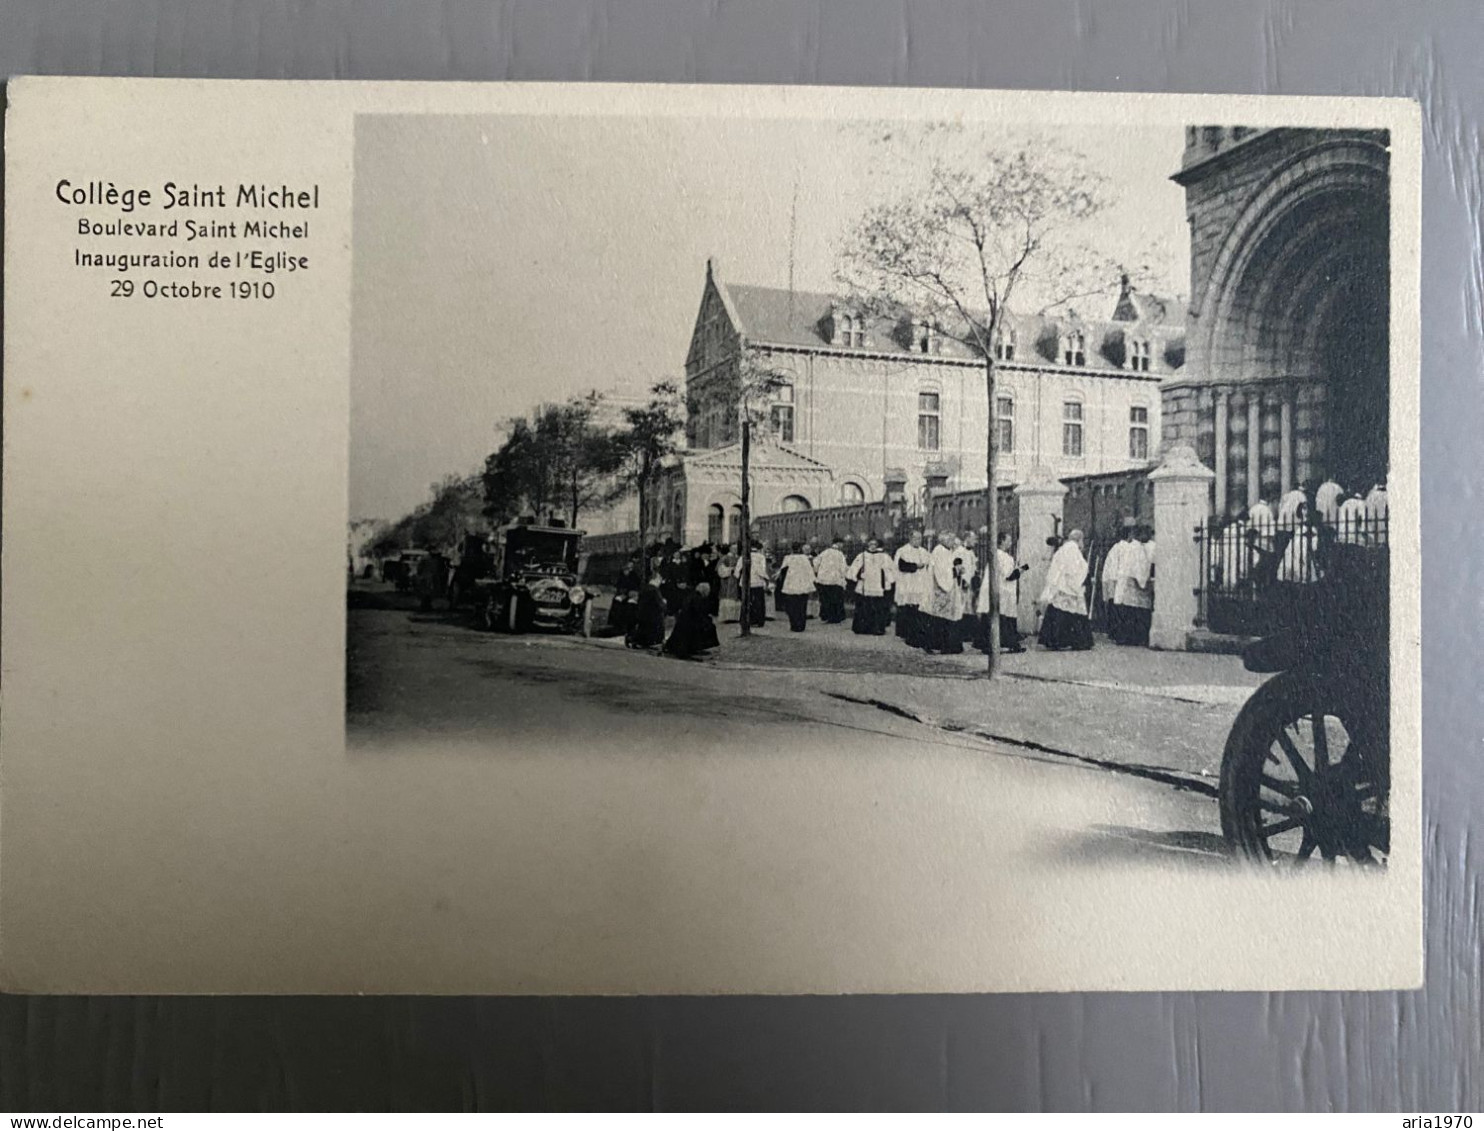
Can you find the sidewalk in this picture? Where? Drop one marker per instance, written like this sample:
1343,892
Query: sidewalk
1161,714
1188,676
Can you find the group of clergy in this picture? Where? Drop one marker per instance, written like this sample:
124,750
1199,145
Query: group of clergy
939,598
1292,532
1128,585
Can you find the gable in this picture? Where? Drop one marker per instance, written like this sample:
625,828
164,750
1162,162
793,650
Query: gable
716,329
764,454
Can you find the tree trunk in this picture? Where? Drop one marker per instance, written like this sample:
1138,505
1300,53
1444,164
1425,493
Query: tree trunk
746,540
992,519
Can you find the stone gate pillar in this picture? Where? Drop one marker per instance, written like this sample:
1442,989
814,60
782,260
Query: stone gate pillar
1182,501
1040,499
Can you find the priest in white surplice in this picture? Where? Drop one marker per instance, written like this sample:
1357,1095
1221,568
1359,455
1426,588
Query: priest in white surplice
829,576
948,599
1115,565
872,573
1064,623
914,587
1006,574
1135,595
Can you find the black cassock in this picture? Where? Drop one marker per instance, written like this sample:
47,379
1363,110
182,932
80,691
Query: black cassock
649,619
694,631
622,612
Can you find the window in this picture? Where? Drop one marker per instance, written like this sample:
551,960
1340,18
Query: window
1071,429
927,421
1074,351
852,331
734,524
1138,432
851,494
1004,425
1139,355
794,504
925,338
1004,345
715,523
783,413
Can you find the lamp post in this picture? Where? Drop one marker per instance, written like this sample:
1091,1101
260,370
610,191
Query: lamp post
746,543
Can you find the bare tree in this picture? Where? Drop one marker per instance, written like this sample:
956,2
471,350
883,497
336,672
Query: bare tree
985,226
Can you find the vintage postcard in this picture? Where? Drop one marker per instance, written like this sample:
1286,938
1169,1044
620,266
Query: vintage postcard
636,539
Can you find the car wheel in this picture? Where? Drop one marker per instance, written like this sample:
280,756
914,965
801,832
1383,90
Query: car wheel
512,614
489,616
587,618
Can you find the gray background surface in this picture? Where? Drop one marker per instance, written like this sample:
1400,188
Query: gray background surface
1408,1051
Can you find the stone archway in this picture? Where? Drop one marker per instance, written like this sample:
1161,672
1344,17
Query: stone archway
1295,325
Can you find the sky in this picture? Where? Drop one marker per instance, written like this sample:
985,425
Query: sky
502,262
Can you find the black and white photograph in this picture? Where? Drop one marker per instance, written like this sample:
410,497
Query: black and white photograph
680,540
678,435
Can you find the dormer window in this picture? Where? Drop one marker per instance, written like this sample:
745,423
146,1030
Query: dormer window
1140,353
1004,345
925,338
850,330
1074,349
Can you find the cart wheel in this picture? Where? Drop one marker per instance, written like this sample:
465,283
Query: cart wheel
1302,774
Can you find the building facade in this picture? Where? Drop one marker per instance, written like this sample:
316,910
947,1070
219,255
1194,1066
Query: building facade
870,407
1287,378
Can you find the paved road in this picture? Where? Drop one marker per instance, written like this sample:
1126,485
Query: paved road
415,678
579,816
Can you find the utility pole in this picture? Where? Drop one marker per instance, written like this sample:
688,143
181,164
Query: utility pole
746,544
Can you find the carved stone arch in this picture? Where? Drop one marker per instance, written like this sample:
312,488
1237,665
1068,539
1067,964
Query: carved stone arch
1270,325
1313,181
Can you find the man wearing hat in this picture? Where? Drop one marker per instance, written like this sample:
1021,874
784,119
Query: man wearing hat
872,573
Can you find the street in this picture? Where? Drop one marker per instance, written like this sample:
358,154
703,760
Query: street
1109,755
797,811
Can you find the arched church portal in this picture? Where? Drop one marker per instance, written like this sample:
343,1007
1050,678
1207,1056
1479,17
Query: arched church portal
1300,334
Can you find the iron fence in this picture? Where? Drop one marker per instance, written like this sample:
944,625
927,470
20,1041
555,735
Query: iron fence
1254,575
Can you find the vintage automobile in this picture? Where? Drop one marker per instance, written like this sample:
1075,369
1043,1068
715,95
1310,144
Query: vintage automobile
530,581
402,570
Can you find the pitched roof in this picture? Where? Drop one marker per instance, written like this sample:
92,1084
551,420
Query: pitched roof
778,317
1137,306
